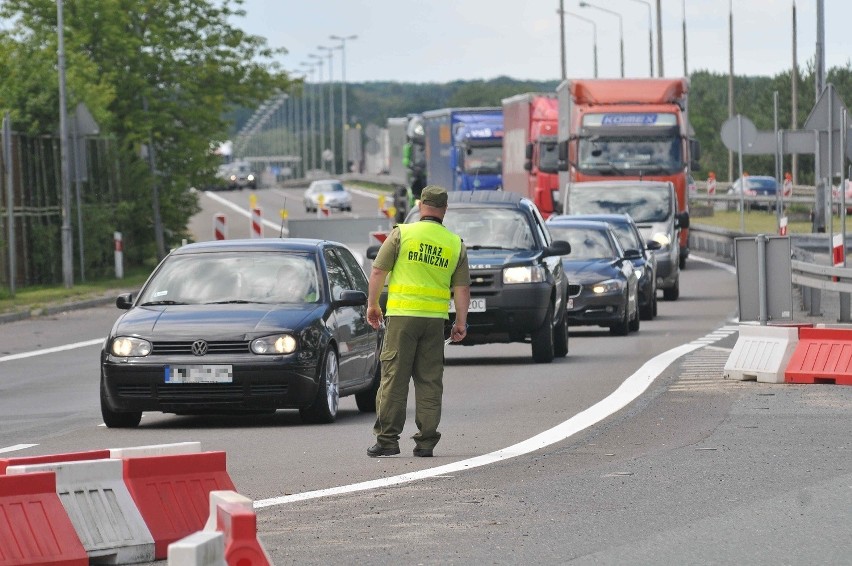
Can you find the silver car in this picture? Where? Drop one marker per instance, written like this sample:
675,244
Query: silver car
329,193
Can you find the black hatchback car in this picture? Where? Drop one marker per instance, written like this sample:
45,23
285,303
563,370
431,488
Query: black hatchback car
243,326
645,265
518,287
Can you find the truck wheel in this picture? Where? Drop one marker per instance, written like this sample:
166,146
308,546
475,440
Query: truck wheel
681,262
542,340
672,293
560,337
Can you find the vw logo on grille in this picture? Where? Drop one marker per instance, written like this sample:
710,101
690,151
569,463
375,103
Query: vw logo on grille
199,347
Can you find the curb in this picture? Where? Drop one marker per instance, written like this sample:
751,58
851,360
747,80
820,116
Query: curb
56,309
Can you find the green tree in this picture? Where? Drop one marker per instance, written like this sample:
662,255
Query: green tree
156,72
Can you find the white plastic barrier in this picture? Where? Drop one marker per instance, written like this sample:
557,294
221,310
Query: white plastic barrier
155,450
202,548
218,497
761,353
99,505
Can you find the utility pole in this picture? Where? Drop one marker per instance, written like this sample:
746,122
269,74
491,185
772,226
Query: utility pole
67,242
819,63
794,103
659,40
562,38
730,81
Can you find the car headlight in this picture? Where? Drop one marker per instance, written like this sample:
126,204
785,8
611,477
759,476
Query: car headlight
608,286
250,177
664,239
129,347
525,274
274,345
233,177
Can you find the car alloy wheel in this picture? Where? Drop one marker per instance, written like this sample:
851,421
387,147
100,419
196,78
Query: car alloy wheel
327,400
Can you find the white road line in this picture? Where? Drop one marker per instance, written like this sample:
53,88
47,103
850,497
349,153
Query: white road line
16,447
714,263
243,211
629,390
53,350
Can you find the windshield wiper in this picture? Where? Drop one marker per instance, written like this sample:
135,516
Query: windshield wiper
164,302
231,302
479,247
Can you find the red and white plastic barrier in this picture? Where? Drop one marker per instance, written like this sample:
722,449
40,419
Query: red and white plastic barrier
220,227
256,223
122,505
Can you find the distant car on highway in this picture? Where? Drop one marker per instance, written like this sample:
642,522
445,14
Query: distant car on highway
603,286
755,186
245,326
332,192
645,266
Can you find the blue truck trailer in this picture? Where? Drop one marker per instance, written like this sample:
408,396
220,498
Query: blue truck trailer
464,148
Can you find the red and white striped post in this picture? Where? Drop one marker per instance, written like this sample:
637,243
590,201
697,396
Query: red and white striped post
220,227
256,223
119,255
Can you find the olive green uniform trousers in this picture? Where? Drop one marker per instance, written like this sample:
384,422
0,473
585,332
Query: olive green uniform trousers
413,348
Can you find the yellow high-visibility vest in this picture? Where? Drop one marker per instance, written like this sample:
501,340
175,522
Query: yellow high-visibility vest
419,284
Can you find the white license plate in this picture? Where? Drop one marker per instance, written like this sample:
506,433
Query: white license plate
570,304
201,373
476,305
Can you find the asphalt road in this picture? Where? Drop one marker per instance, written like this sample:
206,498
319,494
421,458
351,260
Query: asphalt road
630,450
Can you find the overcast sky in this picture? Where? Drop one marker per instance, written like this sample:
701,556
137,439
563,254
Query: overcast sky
446,40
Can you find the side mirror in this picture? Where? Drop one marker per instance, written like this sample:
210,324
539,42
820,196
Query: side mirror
351,298
632,254
124,301
528,165
528,153
372,252
682,220
653,245
557,247
562,164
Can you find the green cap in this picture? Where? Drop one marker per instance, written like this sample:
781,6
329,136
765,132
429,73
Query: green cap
434,195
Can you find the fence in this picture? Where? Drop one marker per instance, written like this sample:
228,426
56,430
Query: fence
35,210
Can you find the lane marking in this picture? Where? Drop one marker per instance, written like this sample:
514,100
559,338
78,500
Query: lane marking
243,211
714,263
628,391
53,350
16,447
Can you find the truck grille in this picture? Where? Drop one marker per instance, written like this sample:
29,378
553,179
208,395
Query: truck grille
482,279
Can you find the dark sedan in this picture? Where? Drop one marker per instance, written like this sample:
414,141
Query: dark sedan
603,287
645,266
245,326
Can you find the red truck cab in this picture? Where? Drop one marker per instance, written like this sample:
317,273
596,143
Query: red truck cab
622,129
530,150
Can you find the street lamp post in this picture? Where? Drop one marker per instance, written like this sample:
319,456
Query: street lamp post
312,145
320,61
620,29
594,38
685,66
343,40
330,51
650,36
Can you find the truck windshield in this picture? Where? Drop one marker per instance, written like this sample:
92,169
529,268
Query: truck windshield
494,228
483,160
548,158
615,155
652,203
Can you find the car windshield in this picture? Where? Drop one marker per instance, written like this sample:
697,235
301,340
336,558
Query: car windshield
652,203
627,237
327,188
490,227
613,154
586,243
244,277
761,183
548,159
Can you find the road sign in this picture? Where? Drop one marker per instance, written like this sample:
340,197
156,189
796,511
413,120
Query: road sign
730,133
777,279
